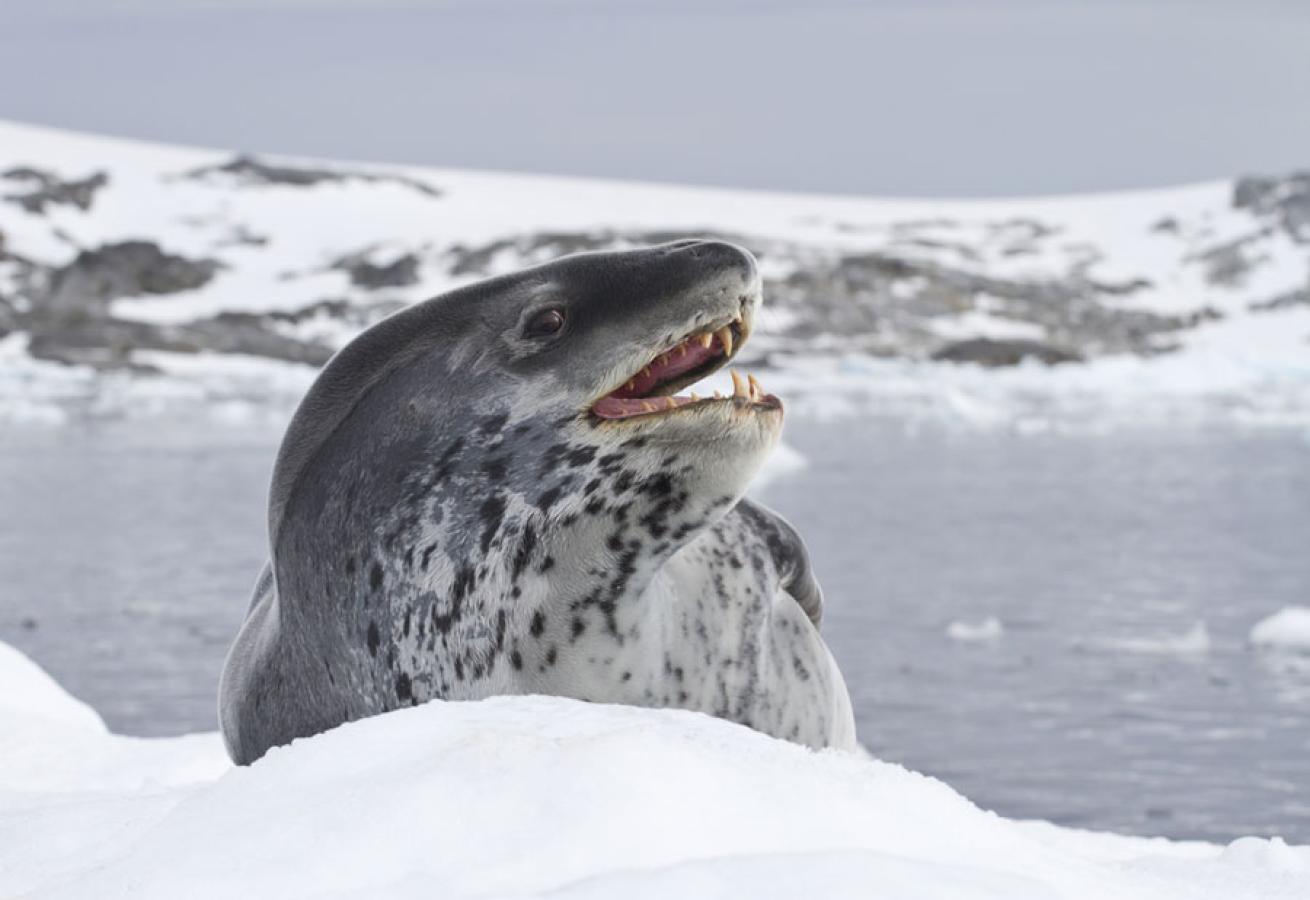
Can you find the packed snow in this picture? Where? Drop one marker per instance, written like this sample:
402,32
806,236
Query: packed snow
1287,629
538,796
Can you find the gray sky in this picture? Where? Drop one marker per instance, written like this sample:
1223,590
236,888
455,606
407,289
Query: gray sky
897,97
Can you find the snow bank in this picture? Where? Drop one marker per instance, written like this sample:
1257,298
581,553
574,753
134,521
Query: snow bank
1287,629
536,796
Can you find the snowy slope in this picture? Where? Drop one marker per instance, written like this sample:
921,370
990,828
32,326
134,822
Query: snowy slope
143,276
537,796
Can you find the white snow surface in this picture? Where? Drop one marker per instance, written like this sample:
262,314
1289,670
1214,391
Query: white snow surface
1287,629
539,797
1248,367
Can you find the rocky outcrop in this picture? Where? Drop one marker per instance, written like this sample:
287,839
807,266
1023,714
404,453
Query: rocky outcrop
1286,201
251,171
400,272
45,188
86,286
993,353
70,320
110,344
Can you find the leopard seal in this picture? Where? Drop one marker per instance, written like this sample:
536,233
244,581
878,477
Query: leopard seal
498,491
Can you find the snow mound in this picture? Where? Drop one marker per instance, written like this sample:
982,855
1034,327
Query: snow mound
989,629
1287,629
539,796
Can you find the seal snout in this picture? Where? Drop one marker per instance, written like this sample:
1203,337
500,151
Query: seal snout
713,258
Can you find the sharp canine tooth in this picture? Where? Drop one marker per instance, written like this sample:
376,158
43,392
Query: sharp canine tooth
705,339
647,407
694,397
725,338
756,390
669,403
718,396
739,388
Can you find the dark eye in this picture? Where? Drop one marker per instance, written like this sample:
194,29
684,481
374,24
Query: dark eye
545,322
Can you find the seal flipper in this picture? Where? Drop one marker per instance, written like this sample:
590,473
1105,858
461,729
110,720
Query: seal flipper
789,556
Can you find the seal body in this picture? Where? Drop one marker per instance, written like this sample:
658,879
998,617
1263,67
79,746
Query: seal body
496,492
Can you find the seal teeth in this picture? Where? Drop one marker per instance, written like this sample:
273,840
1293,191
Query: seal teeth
725,338
695,397
705,339
739,385
756,391
648,407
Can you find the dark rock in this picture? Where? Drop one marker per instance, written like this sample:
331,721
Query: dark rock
48,189
1229,264
251,171
1285,300
993,353
108,343
85,287
400,272
1286,200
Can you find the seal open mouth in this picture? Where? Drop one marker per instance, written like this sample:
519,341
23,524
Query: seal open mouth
651,391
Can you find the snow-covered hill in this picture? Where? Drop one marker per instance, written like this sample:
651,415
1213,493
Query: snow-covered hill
540,796
137,277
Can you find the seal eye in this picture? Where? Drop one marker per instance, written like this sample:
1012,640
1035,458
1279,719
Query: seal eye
544,323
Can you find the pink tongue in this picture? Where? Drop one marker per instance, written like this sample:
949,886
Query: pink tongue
612,407
670,365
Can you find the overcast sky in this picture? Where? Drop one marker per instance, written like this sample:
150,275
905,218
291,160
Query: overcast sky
897,97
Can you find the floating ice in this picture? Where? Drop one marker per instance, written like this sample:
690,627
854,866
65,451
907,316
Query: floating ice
1193,641
988,629
1287,629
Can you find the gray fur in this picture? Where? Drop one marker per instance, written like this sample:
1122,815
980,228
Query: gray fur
447,520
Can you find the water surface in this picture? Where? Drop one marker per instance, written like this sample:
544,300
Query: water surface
127,555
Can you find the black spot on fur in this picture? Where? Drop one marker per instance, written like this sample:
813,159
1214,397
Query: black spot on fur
527,544
538,623
493,424
375,577
373,639
516,660
580,456
548,498
494,468
492,512
404,689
